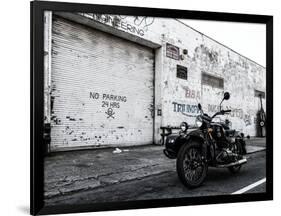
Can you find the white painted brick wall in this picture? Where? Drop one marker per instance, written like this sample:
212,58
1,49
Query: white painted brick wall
241,75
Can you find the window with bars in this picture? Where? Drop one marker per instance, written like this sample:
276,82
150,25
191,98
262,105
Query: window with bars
208,79
181,72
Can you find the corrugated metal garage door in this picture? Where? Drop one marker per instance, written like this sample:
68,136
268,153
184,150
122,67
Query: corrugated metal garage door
102,89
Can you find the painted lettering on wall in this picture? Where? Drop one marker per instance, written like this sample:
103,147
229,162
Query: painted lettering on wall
211,109
247,119
235,112
191,93
108,101
185,108
138,26
110,113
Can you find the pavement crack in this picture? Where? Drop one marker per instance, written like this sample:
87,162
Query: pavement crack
99,178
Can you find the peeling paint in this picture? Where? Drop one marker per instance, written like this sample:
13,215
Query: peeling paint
92,117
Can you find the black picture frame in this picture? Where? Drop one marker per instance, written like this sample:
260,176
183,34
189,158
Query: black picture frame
37,102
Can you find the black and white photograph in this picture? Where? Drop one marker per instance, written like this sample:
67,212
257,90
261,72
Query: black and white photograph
144,108
136,108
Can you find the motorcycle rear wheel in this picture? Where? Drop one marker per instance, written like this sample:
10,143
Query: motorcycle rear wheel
191,167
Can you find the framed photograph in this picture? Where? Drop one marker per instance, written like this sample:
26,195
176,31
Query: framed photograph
139,108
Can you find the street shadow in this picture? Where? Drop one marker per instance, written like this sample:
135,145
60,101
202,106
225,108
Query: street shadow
221,175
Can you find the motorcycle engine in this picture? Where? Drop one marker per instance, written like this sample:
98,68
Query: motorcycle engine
219,135
226,156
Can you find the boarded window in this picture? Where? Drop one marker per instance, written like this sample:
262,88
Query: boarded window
259,93
208,79
181,72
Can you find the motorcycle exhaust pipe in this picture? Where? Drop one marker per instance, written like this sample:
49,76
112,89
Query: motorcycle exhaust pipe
240,162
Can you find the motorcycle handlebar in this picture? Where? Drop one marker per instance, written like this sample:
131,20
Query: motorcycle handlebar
226,111
222,112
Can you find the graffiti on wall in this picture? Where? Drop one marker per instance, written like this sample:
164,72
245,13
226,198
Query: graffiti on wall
109,101
207,53
143,21
138,26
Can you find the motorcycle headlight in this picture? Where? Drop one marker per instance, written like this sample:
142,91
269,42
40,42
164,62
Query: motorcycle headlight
184,126
171,141
198,121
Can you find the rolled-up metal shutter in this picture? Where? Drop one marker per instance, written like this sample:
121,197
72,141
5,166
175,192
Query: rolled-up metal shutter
102,89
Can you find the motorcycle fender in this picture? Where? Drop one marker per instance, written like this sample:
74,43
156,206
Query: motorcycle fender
198,136
172,145
175,142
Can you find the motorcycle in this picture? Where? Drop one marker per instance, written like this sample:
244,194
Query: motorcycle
210,144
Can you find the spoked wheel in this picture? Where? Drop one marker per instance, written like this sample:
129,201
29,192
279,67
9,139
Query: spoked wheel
191,167
237,149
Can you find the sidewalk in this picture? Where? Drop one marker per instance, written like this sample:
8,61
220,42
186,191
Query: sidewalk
255,144
68,172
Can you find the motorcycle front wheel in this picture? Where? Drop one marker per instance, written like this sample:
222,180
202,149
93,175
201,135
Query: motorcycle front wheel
191,167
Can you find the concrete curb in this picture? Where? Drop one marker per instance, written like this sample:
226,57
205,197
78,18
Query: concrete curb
258,149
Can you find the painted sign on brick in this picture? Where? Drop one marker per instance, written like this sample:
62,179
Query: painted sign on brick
185,108
132,24
109,101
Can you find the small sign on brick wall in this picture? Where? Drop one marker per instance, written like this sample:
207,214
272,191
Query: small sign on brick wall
172,51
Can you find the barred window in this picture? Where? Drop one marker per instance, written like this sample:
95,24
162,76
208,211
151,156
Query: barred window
181,72
208,79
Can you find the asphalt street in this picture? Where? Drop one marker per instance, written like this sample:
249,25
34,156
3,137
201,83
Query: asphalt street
167,185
